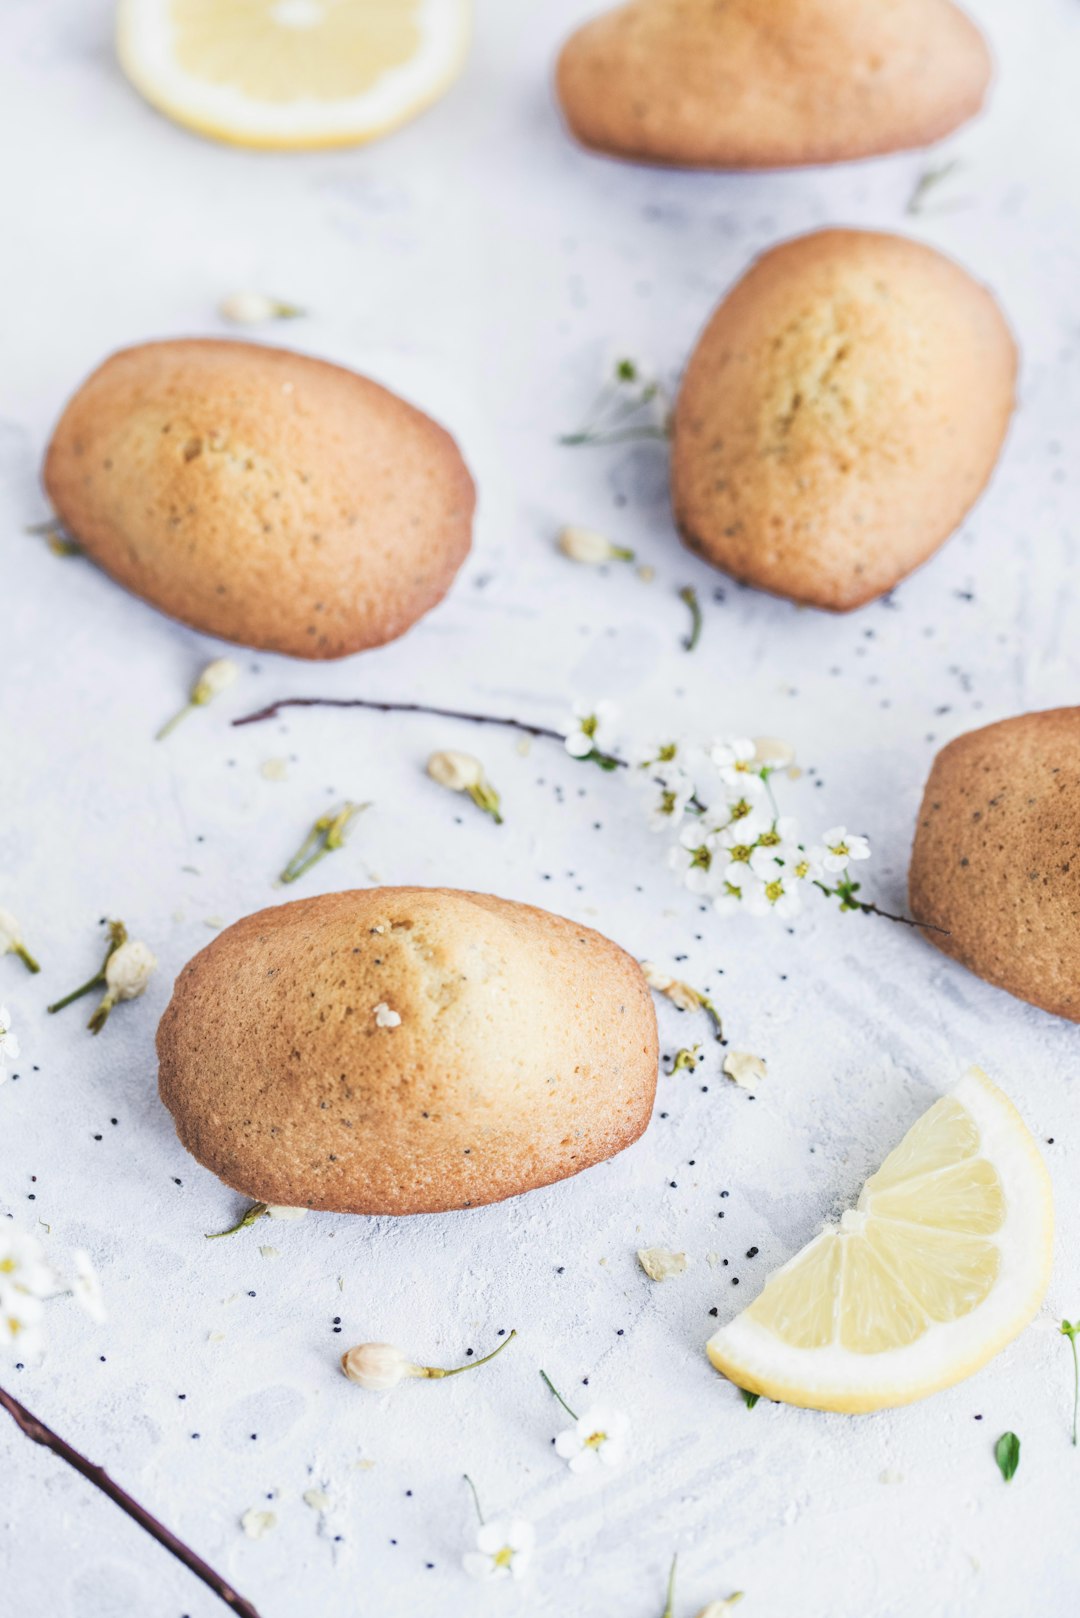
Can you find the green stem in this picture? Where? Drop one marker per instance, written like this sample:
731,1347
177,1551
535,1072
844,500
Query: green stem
332,829
77,994
669,1608
170,724
553,1389
476,1497
26,958
689,595
1076,1383
101,1015
256,1211
470,1365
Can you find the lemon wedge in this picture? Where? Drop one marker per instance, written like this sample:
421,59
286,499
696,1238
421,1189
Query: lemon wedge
945,1259
292,73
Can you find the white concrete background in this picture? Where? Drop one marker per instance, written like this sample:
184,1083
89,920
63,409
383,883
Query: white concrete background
484,266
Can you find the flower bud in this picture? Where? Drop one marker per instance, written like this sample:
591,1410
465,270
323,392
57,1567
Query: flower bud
127,971
11,941
215,678
458,771
588,546
378,1366
252,308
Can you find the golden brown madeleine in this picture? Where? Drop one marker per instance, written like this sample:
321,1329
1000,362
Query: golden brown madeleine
842,411
406,1050
262,496
996,860
733,84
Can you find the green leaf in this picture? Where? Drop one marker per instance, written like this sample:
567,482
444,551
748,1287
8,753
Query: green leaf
751,1398
1007,1455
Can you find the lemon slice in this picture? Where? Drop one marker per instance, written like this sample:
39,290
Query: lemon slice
945,1258
292,73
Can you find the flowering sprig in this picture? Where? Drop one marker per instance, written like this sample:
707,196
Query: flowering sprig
28,1280
461,772
630,406
327,834
592,549
379,1366
597,1438
11,941
590,732
215,678
124,974
504,1545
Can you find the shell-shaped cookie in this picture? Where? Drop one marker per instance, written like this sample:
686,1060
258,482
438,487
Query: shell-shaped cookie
262,496
732,84
405,1050
996,861
842,411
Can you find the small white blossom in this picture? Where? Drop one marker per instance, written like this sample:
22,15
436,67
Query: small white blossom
693,859
772,895
727,901
9,1044
803,865
253,308
386,1017
85,1286
25,1280
735,757
667,799
597,1438
591,729
592,548
840,847
504,1548
737,850
378,1366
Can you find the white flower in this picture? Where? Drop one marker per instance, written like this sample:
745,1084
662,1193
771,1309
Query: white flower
592,548
85,1286
9,1044
20,1322
458,771
735,757
252,308
11,941
591,729
840,847
727,901
378,1366
667,799
692,859
597,1438
773,894
128,971
386,1017
25,1280
738,849
780,840
23,1267
802,865
504,1547
748,807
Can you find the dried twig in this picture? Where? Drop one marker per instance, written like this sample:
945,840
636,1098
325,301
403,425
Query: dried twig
38,1433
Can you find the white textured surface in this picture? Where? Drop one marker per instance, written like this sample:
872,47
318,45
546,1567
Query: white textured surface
484,266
